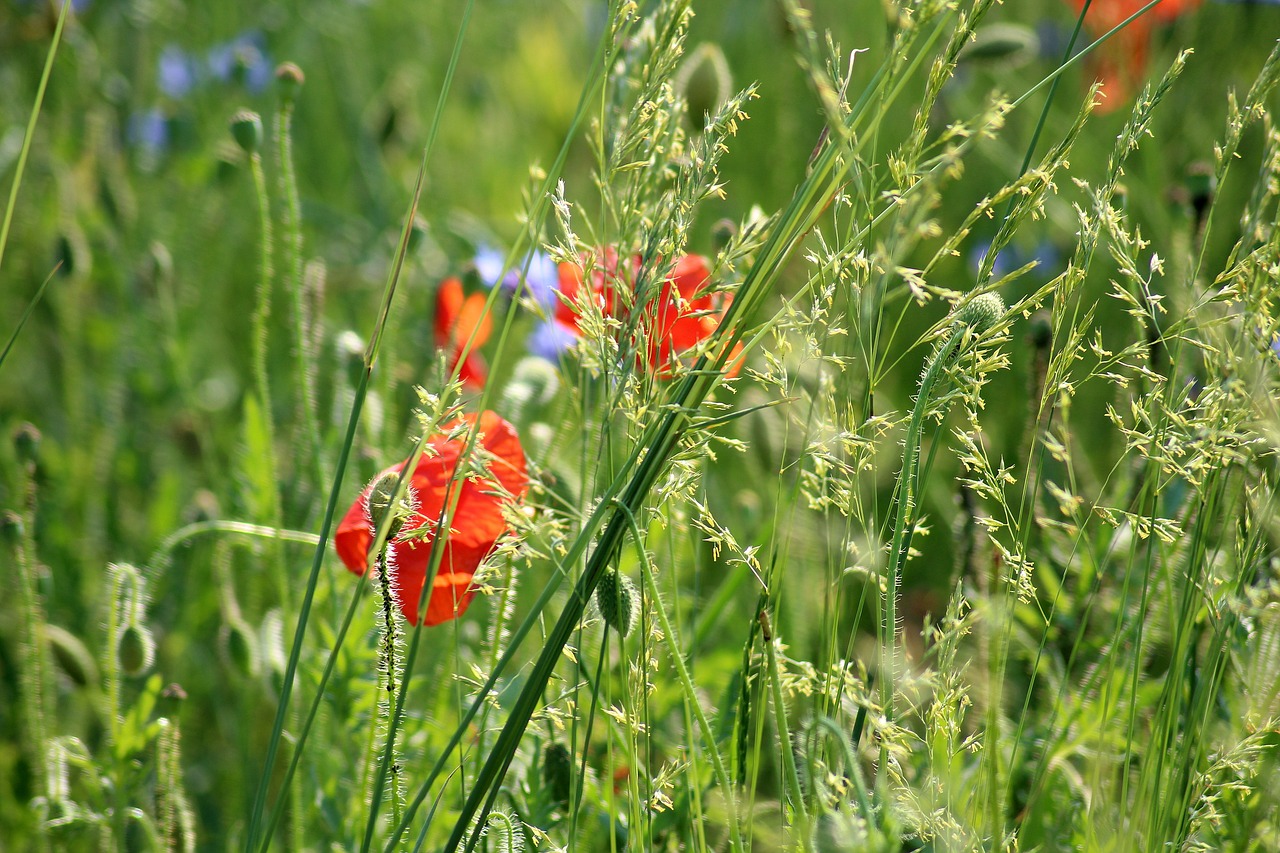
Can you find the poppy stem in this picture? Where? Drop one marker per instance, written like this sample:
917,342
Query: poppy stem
389,666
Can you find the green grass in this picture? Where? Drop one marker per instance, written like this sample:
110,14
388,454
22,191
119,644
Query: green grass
893,578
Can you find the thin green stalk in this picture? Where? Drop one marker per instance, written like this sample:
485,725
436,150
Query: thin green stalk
903,527
390,668
26,314
31,132
262,306
789,774
35,689
291,220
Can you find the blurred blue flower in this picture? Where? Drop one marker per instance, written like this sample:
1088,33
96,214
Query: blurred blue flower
541,280
243,59
1011,257
148,131
489,263
551,339
178,73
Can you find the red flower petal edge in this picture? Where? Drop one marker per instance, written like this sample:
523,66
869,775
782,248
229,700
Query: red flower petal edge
477,520
684,313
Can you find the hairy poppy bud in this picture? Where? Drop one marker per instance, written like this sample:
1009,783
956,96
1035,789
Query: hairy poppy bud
26,442
1040,330
246,130
135,649
557,772
705,82
722,232
290,78
982,312
382,500
618,602
11,528
1009,44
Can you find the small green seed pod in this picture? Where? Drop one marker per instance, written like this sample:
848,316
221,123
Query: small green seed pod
557,772
381,497
135,649
618,602
1006,44
11,528
290,78
1040,330
981,313
246,130
26,442
705,82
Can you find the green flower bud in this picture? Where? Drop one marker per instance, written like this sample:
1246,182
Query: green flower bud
981,313
557,772
618,602
135,649
290,78
381,498
705,82
26,442
1007,44
1040,330
246,130
11,528
722,232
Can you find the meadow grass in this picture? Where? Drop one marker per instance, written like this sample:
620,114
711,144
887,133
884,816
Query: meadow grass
879,448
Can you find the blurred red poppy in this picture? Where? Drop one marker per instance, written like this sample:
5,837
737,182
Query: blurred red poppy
460,319
685,312
477,519
1121,63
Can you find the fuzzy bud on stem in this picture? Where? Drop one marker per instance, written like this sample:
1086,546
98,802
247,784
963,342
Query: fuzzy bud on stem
246,130
618,602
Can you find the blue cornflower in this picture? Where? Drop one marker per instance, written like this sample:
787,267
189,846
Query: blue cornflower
550,340
1003,264
543,281
178,72
246,55
489,263
148,131
1011,258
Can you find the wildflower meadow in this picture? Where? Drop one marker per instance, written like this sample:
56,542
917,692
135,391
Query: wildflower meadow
604,425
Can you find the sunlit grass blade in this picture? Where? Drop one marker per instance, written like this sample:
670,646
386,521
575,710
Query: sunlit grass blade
26,314
31,130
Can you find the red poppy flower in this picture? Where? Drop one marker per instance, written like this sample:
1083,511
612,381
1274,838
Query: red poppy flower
460,319
1122,62
477,519
684,313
